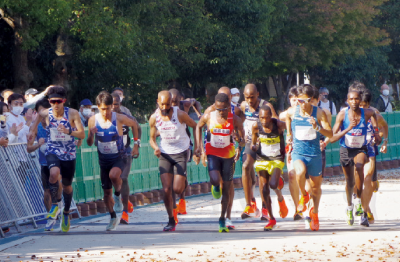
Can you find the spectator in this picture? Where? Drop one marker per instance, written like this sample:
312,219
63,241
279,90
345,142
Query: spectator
119,91
6,93
30,94
31,103
3,126
324,102
235,96
85,111
17,126
383,103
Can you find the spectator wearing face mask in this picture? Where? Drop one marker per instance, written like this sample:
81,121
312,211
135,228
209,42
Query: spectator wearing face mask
3,126
235,96
85,111
324,102
383,103
17,125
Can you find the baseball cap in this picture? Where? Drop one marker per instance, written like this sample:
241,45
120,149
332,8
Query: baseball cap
235,91
118,88
86,102
31,91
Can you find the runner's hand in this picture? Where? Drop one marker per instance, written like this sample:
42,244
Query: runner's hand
254,147
322,145
353,123
41,141
93,130
157,152
378,139
135,151
237,154
196,159
61,128
383,149
313,122
197,152
289,139
78,143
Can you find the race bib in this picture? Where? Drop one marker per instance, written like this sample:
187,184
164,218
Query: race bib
169,136
248,125
57,136
107,147
369,137
220,141
354,141
305,133
271,150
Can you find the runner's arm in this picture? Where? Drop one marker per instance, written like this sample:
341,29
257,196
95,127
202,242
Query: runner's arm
289,135
274,114
240,113
282,116
34,126
185,118
153,131
326,129
337,134
281,126
76,119
374,120
92,131
238,123
30,147
199,127
254,136
383,126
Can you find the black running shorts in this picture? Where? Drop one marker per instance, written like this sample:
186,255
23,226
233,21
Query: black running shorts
226,166
173,163
45,173
67,168
347,155
105,172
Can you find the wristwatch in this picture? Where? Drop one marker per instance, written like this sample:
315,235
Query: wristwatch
137,142
70,131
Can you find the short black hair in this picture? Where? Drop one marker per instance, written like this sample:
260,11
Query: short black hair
104,98
316,93
266,108
57,91
2,104
366,96
306,89
357,86
44,102
15,96
118,88
293,92
221,97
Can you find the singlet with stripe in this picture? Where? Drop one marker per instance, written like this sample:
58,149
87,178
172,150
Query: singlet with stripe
174,139
251,118
109,143
272,145
219,137
357,137
60,144
305,138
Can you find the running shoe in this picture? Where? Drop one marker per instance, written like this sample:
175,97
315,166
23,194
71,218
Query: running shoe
54,212
314,223
229,223
124,218
371,218
302,206
5,229
175,214
350,217
216,192
169,227
118,206
283,210
271,224
281,183
130,207
247,212
114,222
376,186
257,212
65,223
264,214
181,207
298,216
359,210
222,226
364,220
50,224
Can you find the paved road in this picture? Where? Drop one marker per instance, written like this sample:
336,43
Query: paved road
197,239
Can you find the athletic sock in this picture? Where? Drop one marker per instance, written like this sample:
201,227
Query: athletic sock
350,207
171,221
117,193
67,201
54,191
113,214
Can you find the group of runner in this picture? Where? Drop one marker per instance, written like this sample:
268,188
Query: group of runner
253,126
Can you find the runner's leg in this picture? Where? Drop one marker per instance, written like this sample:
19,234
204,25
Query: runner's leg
368,184
248,166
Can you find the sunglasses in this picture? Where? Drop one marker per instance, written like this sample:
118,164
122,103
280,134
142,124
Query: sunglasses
57,101
222,109
301,101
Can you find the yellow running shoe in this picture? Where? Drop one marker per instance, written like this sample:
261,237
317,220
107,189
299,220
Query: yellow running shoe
371,218
302,206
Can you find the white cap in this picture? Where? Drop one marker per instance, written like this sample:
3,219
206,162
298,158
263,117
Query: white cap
235,91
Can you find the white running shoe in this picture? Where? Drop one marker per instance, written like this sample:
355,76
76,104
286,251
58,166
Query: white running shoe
50,224
114,222
118,206
229,224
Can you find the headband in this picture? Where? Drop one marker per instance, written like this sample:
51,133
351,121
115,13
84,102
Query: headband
56,95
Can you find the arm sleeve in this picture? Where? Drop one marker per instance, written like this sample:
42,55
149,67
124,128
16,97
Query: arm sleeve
31,104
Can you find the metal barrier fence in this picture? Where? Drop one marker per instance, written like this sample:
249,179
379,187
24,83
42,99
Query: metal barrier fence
21,190
145,176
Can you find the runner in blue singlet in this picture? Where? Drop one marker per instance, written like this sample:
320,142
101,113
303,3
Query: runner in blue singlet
351,129
107,126
305,123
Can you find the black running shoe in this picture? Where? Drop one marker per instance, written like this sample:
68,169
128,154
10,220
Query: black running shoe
298,216
364,221
170,227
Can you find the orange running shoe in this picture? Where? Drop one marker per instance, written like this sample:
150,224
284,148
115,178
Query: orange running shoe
181,207
281,183
271,224
257,212
302,206
124,218
247,212
283,210
265,214
314,223
175,214
130,207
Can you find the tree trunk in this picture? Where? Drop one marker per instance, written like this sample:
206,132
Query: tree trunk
282,86
60,73
393,81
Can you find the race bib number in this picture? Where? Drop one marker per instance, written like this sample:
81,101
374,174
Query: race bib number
220,141
305,133
354,141
169,136
271,150
107,147
57,136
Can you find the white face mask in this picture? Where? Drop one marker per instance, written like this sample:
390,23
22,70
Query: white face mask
385,92
86,111
17,110
235,99
121,98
